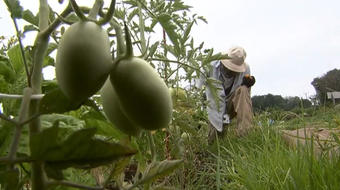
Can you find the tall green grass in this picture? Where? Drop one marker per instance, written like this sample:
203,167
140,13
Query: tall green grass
262,160
259,161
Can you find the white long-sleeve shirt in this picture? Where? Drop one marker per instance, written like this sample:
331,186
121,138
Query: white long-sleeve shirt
217,104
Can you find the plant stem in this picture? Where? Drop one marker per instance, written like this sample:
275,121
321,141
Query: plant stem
63,20
22,52
141,28
77,10
152,146
41,43
129,48
2,116
166,62
57,21
148,10
22,116
98,4
33,117
119,37
173,72
178,62
109,13
70,184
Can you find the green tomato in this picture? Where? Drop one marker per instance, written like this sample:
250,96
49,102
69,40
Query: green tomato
143,95
113,111
178,94
83,60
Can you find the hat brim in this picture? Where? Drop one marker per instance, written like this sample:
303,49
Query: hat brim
233,67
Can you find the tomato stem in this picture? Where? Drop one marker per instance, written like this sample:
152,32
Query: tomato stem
98,4
77,10
38,177
129,49
57,21
119,37
109,13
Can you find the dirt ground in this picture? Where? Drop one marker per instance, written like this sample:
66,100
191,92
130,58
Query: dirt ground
323,139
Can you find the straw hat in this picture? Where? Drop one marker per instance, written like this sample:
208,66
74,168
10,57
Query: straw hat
236,62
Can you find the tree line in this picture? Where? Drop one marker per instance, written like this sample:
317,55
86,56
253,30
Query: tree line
270,101
328,82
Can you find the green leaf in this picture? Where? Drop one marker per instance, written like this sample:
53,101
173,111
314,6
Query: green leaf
132,15
10,179
48,61
28,16
170,29
51,47
54,173
15,58
56,102
14,8
186,33
80,150
217,56
64,121
159,169
120,166
23,148
131,3
51,15
29,28
6,133
179,6
203,19
152,25
153,49
42,142
49,85
62,30
7,72
120,13
98,120
160,6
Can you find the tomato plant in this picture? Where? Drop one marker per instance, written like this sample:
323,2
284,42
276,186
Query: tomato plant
61,127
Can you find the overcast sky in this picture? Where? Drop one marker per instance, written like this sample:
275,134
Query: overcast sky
288,42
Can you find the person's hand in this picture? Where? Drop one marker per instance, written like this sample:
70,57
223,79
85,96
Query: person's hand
248,80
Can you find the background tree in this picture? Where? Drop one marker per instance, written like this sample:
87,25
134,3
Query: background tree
270,101
326,83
